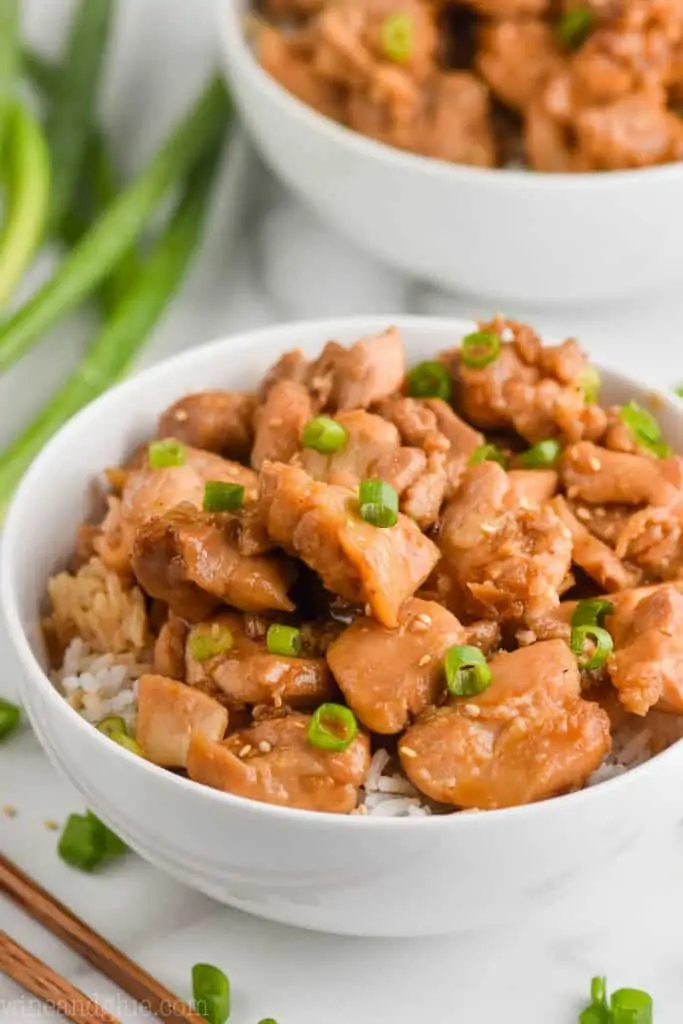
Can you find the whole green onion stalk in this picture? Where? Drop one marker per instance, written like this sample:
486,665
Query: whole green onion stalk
9,62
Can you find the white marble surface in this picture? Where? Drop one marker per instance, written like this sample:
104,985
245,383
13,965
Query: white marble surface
280,264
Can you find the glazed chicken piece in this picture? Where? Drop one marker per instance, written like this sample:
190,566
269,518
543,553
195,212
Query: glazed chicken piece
510,9
652,538
592,555
274,763
516,57
505,560
248,673
150,492
529,736
368,439
600,477
365,564
635,131
646,666
292,9
169,649
390,675
356,377
279,422
534,485
417,423
169,713
423,499
289,59
186,558
216,421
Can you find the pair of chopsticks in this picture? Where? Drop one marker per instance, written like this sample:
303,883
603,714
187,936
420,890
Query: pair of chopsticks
56,991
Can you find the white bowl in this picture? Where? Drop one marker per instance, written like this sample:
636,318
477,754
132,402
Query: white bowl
353,875
513,236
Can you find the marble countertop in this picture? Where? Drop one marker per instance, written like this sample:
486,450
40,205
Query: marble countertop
266,259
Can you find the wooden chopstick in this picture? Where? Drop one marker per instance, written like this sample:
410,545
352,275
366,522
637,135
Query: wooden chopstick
39,979
74,933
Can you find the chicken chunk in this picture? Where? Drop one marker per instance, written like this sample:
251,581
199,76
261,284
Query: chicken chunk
248,673
366,564
652,538
599,477
390,675
516,57
279,423
592,555
423,499
634,131
368,439
289,59
506,561
169,649
186,558
274,763
169,714
416,422
534,485
217,421
356,377
647,665
530,735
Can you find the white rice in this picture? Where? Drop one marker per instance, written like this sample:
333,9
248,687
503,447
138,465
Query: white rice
390,796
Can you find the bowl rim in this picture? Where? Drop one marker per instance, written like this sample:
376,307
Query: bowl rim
285,335
229,14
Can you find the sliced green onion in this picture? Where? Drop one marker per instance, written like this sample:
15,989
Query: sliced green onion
83,842
631,1006
397,38
324,435
378,503
114,847
599,637
480,348
592,612
599,991
268,1020
128,742
595,1015
574,27
222,497
590,382
284,640
332,727
467,672
429,380
541,455
204,645
10,716
645,429
211,993
168,452
678,390
489,453
112,725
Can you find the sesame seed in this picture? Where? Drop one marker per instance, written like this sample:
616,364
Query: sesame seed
488,528
583,513
361,810
473,710
594,463
424,660
423,617
277,700
417,626
368,610
265,747
408,752
246,749
53,826
180,415
9,811
520,725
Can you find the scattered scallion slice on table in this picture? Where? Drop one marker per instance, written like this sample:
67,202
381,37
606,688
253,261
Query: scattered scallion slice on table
10,717
480,348
467,672
489,453
397,38
332,727
205,644
592,611
600,639
627,1006
86,842
220,496
429,380
324,434
378,503
113,846
285,640
574,27
211,993
167,453
645,430
542,455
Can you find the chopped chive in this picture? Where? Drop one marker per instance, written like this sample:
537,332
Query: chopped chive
467,672
10,716
602,641
332,727
112,725
83,842
378,503
541,455
592,612
599,991
168,452
489,453
211,993
574,27
324,435
114,847
480,348
429,380
222,497
631,1006
128,742
285,640
204,645
645,430
397,38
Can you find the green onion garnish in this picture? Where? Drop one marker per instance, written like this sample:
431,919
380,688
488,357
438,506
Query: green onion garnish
592,612
268,1020
645,429
113,846
678,390
10,716
574,27
284,640
332,727
599,991
489,453
467,672
378,503
163,454
222,497
211,993
204,645
599,637
541,455
324,435
480,348
590,382
631,1006
112,725
83,842
595,1015
128,742
429,380
397,38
